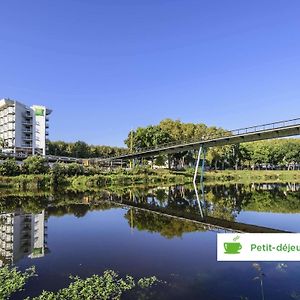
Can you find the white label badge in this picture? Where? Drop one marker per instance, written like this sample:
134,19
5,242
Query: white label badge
258,247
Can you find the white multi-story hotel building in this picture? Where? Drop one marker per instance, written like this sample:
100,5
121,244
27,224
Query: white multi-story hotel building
23,129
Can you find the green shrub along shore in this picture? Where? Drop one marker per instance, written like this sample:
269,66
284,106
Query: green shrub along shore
246,176
35,173
86,182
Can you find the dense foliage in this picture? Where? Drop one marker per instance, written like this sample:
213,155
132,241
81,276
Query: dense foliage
12,280
267,154
169,131
31,165
83,150
9,167
106,286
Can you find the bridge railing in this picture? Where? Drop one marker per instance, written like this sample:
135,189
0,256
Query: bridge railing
235,132
48,157
264,127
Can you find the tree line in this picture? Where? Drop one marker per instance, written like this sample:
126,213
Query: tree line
283,153
81,149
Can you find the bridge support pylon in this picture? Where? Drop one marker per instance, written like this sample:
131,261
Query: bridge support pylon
202,152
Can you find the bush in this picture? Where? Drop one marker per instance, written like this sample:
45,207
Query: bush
9,168
35,165
74,169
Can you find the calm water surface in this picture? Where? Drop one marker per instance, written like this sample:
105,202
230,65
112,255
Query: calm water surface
84,234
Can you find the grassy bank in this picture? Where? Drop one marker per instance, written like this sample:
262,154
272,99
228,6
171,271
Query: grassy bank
141,177
246,176
91,182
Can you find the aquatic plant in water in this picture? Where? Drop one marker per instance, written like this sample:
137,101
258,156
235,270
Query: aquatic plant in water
106,286
260,277
12,280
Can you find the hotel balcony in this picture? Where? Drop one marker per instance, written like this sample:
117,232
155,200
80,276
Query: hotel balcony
27,115
7,239
27,138
27,130
28,123
8,232
5,129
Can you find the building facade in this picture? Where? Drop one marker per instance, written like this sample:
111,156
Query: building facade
23,129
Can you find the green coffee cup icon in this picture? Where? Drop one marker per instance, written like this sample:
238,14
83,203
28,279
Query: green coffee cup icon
232,248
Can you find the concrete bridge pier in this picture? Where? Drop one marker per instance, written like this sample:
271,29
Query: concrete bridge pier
169,162
201,152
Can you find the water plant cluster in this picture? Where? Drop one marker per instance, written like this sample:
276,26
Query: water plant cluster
12,280
107,286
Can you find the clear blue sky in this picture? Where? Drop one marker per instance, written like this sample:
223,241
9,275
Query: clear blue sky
107,66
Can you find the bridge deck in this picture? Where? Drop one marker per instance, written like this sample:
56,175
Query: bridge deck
243,135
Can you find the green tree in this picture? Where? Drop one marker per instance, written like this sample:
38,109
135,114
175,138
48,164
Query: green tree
291,153
74,169
150,136
83,150
9,168
80,149
35,165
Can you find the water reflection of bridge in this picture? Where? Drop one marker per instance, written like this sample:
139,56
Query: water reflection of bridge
207,223
201,218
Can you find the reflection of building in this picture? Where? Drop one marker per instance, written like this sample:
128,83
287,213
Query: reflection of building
23,129
22,235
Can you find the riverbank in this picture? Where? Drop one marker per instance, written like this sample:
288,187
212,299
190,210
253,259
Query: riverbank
247,176
141,177
91,182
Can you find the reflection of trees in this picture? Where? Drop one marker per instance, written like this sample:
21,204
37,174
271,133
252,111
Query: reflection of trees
167,226
78,209
27,204
221,201
270,202
58,204
255,197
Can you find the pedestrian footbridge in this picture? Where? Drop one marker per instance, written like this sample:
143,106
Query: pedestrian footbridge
249,134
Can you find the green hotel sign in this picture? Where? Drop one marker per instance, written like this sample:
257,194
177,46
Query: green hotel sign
39,112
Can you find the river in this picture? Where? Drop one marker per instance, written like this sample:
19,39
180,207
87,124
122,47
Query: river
163,231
